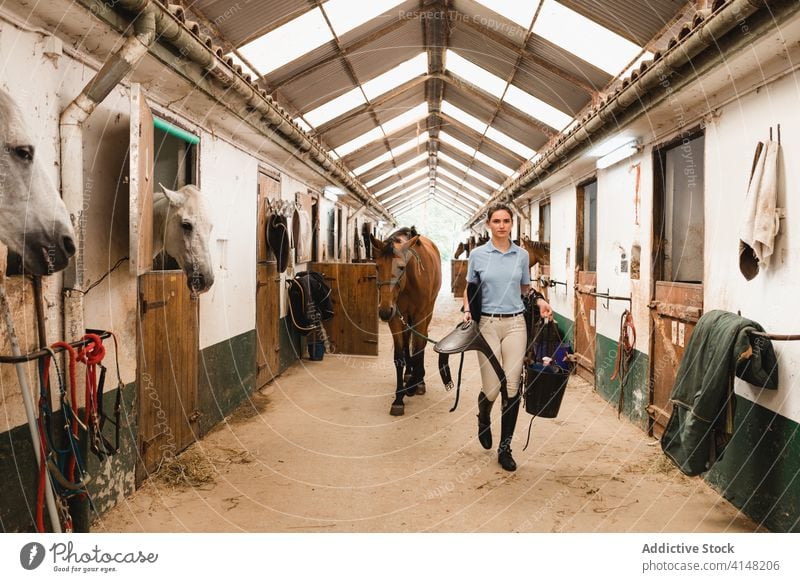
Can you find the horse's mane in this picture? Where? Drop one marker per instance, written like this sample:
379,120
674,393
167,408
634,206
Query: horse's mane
400,235
538,244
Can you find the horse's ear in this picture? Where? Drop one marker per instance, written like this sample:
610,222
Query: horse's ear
410,242
175,197
376,244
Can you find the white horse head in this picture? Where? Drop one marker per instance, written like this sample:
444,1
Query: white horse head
182,229
34,222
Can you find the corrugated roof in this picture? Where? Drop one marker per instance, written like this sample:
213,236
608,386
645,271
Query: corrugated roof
635,20
242,21
503,48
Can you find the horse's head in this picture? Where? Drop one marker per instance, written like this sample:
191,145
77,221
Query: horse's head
34,222
391,261
187,230
538,252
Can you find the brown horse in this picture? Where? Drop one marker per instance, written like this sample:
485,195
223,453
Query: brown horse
409,276
538,252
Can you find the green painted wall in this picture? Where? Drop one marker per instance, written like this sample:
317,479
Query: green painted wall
226,377
109,484
636,397
566,326
760,469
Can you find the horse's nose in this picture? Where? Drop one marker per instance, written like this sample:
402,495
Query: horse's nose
197,282
69,246
386,313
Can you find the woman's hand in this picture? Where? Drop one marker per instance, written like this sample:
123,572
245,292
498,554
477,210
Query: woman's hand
467,317
544,308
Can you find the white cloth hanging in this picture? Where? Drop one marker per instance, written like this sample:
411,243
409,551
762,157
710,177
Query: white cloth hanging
761,218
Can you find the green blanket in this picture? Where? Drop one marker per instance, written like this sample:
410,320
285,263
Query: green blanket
701,422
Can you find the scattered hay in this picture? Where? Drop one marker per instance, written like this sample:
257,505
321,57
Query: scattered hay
198,467
192,469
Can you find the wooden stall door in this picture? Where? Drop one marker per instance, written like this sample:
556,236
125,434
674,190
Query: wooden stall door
585,324
674,314
458,276
267,323
267,288
354,327
167,368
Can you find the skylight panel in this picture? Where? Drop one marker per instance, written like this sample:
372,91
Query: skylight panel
335,107
456,143
404,166
463,197
288,42
536,108
584,38
418,141
344,16
460,180
409,199
397,151
491,162
475,74
405,119
384,157
519,11
392,78
482,178
453,162
419,184
404,181
361,140
464,117
510,143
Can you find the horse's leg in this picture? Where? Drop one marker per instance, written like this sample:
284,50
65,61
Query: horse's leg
398,408
407,357
417,383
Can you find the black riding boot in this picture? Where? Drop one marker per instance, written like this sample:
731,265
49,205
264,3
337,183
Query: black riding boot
485,420
508,422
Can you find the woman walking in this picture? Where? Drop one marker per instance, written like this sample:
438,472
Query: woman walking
500,271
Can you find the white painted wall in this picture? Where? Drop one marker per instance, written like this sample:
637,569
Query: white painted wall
770,298
229,181
617,231
562,239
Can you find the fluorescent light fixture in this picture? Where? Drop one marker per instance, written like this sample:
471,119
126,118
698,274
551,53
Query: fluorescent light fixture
332,193
621,153
609,145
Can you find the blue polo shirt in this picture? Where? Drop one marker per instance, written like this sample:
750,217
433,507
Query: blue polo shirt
500,274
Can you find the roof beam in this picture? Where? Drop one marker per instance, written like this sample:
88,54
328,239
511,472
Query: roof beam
374,104
436,28
491,100
523,52
344,51
493,145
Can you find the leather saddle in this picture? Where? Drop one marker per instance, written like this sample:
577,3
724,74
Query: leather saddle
465,337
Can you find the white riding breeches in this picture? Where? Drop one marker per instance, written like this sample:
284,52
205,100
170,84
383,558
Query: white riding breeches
507,337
